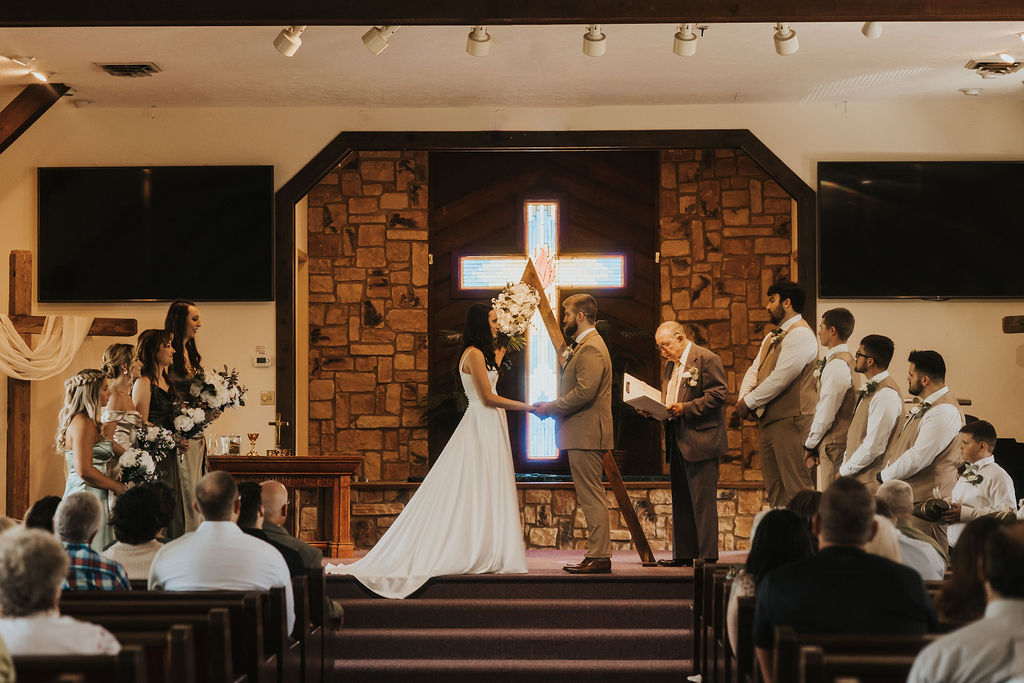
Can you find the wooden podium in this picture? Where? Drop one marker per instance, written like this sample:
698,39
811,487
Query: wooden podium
331,472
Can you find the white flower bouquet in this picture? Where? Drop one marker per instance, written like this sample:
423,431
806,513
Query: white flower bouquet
137,467
208,396
515,306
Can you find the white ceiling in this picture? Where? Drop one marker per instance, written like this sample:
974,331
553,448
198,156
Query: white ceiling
528,66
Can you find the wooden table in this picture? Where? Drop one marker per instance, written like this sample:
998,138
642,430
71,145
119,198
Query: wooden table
331,472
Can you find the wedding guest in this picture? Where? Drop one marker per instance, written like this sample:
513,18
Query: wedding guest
77,519
837,396
876,413
7,523
962,598
274,496
886,542
805,504
87,453
250,520
156,401
984,487
40,515
32,567
137,518
918,550
780,390
183,323
925,451
119,417
782,537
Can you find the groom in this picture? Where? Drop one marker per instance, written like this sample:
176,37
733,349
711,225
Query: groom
584,414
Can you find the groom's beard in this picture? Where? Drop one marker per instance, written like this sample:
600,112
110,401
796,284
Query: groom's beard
776,315
569,331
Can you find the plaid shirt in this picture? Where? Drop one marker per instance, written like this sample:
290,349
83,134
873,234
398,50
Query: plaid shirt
90,571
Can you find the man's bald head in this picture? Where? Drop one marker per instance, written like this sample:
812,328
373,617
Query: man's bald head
217,497
275,502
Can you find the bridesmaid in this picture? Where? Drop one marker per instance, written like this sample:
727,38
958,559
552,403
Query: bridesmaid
183,323
86,451
155,399
120,418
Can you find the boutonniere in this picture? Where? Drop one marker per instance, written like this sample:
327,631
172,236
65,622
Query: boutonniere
919,410
819,365
777,334
972,475
691,375
868,388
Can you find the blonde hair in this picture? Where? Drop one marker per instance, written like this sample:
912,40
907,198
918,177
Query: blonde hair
81,395
116,358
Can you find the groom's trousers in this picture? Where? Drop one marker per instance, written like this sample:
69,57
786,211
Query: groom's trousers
587,469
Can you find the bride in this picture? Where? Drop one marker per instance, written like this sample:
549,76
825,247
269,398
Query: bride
464,519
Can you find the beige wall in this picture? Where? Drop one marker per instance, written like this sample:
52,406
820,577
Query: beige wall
984,364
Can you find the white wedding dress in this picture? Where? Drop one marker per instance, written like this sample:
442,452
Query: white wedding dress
464,519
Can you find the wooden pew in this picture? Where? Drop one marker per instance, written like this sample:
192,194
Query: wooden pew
278,639
212,637
319,629
819,666
699,567
786,654
745,670
128,666
712,573
170,652
721,653
246,610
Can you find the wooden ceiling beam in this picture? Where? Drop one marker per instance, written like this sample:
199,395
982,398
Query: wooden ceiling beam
26,108
493,12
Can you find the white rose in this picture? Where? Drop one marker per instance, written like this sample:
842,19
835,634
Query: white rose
183,423
146,461
194,389
127,458
197,414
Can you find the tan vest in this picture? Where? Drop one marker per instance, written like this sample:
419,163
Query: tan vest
858,431
941,473
800,397
837,432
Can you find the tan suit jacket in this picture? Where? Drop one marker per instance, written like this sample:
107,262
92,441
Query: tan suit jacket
584,404
700,433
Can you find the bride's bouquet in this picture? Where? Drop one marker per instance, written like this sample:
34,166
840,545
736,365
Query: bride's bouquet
515,306
151,445
210,394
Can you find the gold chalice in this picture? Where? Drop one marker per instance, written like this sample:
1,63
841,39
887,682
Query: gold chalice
252,442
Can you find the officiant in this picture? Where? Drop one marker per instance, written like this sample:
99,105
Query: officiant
693,389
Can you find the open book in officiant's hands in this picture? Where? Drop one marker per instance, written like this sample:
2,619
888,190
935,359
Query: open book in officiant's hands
643,398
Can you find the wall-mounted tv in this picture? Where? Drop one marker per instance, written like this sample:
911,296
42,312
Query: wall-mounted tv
134,233
930,230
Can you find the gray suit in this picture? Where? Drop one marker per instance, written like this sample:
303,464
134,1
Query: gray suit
584,414
693,445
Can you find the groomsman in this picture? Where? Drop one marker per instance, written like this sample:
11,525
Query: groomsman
693,388
779,387
925,451
878,410
826,441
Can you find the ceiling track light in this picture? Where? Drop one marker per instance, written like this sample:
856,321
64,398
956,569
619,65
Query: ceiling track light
1006,57
785,40
288,41
478,43
27,63
377,38
872,29
594,43
685,42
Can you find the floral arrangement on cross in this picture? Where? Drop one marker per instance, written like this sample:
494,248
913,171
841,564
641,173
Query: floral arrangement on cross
515,306
209,395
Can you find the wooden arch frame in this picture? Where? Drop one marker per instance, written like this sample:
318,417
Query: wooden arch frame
346,144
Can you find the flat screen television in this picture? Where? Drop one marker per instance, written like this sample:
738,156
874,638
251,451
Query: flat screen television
929,230
133,233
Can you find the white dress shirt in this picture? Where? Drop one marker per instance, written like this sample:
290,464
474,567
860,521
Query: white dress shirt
799,347
993,494
50,633
220,556
990,650
922,557
135,559
939,426
883,411
836,380
672,392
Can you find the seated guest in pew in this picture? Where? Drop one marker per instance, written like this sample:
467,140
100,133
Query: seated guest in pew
219,555
918,550
963,598
32,567
40,515
805,505
886,542
137,518
250,519
990,650
841,589
781,538
76,522
275,507
983,487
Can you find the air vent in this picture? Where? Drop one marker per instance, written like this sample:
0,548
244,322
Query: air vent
991,69
130,70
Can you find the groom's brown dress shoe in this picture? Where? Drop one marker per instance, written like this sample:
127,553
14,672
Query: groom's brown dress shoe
676,563
591,565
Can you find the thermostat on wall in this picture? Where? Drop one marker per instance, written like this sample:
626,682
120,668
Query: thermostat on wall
262,358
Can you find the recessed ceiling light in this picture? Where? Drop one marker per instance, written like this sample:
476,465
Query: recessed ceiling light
1006,57
971,92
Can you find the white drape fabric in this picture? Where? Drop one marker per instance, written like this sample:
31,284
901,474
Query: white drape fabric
56,347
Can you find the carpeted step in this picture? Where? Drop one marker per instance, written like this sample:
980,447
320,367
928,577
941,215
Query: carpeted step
500,643
512,614
512,670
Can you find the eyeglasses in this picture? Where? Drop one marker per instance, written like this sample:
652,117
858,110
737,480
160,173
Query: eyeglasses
862,355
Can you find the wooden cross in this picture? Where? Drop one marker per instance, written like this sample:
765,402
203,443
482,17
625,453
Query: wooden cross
19,393
277,424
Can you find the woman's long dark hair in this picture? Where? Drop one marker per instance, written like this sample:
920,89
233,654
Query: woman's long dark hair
963,598
149,345
177,318
478,333
781,538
